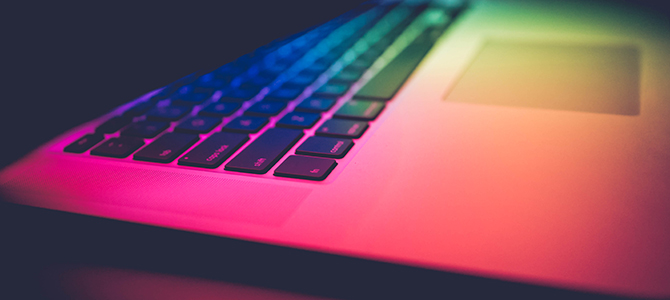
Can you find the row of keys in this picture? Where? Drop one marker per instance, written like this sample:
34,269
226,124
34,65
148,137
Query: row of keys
333,140
257,158
305,116
314,159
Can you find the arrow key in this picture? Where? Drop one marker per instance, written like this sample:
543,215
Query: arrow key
305,167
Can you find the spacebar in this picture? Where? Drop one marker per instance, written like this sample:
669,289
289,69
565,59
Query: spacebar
389,80
265,151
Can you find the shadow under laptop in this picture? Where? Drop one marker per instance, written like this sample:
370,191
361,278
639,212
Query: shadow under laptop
57,255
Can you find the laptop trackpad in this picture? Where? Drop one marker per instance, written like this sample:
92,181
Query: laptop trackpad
590,78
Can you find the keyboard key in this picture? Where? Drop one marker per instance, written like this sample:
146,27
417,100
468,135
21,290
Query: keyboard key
191,99
265,109
284,94
388,81
168,113
139,109
299,120
173,87
204,89
227,99
331,90
265,151
113,125
371,54
239,95
325,146
301,80
214,150
211,81
305,167
315,105
145,129
167,147
348,75
246,124
342,128
360,110
220,109
84,143
277,68
228,72
198,125
317,68
259,80
361,63
118,147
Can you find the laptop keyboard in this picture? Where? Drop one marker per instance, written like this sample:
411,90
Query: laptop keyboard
247,115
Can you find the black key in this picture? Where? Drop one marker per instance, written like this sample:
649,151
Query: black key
167,147
277,69
326,60
305,167
298,120
301,80
331,56
361,63
220,109
384,42
211,81
168,113
287,61
339,50
145,129
389,80
228,72
113,125
239,95
138,109
246,124
265,151
250,85
325,146
214,150
348,75
360,110
317,68
193,94
118,147
315,105
198,125
191,99
228,99
265,109
342,128
331,90
84,143
284,94
173,87
371,54
258,81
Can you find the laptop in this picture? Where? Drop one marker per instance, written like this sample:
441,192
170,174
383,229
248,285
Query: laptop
511,141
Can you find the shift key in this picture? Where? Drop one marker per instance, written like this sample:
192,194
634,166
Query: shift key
265,151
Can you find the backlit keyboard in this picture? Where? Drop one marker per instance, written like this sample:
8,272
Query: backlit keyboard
302,101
